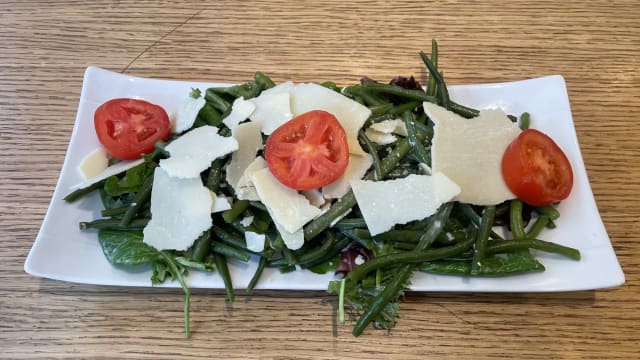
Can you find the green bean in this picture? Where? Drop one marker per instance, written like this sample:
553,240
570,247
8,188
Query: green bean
420,253
229,236
474,218
549,210
159,150
503,246
214,176
331,85
372,99
231,251
114,211
381,301
247,90
399,91
217,101
381,109
348,201
431,85
393,113
258,205
408,106
417,146
287,269
113,224
352,90
187,295
525,120
288,257
350,223
142,196
357,236
435,228
371,149
426,130
209,115
237,226
223,270
236,210
390,161
463,110
408,236
407,246
515,219
256,276
201,247
537,227
263,80
317,253
400,278
443,94
482,237
76,194
337,247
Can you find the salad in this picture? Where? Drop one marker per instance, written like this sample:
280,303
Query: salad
372,181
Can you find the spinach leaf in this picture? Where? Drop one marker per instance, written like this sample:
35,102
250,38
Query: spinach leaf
325,267
113,202
494,265
125,247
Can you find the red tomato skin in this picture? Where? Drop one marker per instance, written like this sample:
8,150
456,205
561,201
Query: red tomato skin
536,170
309,151
128,128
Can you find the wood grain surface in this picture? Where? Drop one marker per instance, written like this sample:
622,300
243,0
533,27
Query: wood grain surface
45,47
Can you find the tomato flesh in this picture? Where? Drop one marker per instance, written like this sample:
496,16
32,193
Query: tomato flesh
309,151
128,128
536,170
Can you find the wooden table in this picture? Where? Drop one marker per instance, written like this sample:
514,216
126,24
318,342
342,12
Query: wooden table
45,47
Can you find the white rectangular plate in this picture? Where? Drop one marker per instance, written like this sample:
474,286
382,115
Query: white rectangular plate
63,252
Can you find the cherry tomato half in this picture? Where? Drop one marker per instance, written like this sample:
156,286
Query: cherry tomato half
536,170
128,128
309,151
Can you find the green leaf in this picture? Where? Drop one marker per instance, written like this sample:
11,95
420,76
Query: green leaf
131,181
359,297
125,247
494,265
195,93
325,267
112,202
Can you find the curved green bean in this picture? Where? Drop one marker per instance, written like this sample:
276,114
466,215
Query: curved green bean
223,270
409,257
482,237
503,246
142,196
515,219
399,91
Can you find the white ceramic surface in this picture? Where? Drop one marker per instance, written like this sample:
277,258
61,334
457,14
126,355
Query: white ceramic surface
62,252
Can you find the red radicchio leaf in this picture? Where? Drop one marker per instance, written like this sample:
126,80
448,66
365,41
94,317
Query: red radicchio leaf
349,256
407,83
